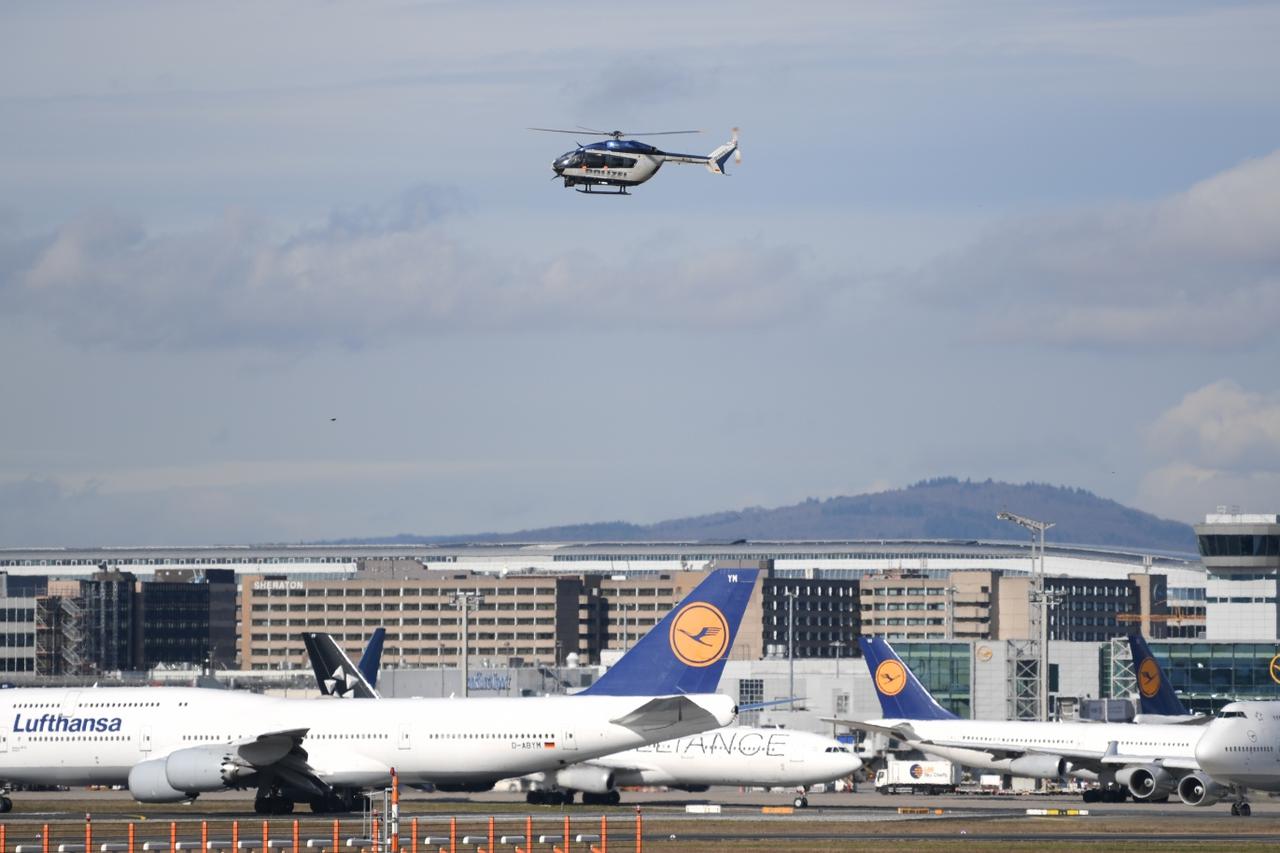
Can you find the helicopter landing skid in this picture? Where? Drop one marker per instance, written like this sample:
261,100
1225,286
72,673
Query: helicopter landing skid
587,190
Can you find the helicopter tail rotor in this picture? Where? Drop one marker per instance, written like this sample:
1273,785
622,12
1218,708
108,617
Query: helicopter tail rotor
716,159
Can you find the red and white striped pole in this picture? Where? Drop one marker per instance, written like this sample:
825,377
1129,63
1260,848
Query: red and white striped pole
393,826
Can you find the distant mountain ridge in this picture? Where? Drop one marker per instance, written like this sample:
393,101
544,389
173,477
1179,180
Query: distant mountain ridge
942,508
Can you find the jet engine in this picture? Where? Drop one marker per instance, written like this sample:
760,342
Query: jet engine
148,783
1039,766
592,780
204,768
1197,789
1147,783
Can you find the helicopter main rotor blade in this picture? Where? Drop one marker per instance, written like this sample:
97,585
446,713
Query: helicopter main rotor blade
558,130
663,133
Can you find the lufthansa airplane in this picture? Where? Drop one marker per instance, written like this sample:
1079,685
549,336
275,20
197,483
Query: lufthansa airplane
736,756
169,744
1148,761
1240,750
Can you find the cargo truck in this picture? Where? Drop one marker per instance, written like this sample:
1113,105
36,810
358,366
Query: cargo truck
923,777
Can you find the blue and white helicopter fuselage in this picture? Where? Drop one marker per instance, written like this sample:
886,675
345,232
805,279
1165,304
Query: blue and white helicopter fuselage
622,163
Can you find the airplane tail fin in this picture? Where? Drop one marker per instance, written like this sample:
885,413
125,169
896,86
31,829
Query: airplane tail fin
902,696
371,660
717,159
686,651
1155,693
336,675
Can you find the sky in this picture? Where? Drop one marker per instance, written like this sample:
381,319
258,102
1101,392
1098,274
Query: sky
296,271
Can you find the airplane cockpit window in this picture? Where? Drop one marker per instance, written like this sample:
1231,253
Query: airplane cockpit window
1225,715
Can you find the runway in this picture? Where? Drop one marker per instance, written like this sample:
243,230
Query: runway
864,820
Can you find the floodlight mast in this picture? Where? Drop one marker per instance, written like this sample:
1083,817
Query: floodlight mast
1041,600
466,602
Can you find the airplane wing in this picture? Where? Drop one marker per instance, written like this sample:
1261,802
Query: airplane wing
281,754
902,731
667,711
268,748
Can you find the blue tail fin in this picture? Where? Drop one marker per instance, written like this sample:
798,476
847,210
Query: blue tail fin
371,660
1155,693
902,696
686,651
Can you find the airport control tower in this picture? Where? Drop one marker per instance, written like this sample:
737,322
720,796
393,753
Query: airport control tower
1241,555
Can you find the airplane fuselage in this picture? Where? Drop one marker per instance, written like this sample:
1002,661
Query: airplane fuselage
736,755
97,735
981,743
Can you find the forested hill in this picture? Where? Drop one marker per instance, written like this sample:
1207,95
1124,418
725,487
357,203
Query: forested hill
945,508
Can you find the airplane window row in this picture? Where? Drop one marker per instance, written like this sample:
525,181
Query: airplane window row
349,736
1251,749
80,737
206,738
488,736
118,705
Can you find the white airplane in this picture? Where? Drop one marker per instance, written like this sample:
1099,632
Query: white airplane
170,744
736,756
1240,750
1147,761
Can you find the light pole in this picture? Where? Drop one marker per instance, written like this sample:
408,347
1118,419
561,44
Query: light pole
791,644
837,645
1042,603
466,602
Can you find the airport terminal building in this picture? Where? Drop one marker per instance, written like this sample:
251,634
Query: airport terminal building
545,617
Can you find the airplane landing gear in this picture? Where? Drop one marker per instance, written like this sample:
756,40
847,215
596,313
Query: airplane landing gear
801,801
6,804
1240,808
337,800
272,803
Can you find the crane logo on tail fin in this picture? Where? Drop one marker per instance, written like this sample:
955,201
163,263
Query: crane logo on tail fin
699,634
891,677
1149,677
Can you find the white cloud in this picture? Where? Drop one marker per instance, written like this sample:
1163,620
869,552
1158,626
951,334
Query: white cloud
394,271
1198,268
1219,445
1222,426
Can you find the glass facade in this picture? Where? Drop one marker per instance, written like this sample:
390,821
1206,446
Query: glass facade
1207,676
945,669
827,617
1239,545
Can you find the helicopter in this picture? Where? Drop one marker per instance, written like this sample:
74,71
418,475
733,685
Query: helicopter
615,164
